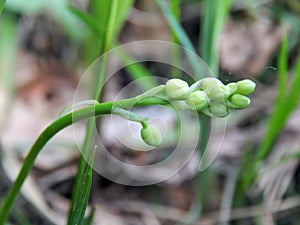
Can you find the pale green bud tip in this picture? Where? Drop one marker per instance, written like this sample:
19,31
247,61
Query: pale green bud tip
176,88
214,88
232,87
197,99
210,82
240,101
151,135
219,109
245,87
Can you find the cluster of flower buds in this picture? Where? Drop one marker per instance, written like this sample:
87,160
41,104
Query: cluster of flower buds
208,96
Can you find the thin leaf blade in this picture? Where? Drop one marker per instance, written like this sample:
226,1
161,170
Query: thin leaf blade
77,214
88,20
215,16
282,69
2,2
285,104
181,36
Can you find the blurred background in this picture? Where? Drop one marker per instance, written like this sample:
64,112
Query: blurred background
45,48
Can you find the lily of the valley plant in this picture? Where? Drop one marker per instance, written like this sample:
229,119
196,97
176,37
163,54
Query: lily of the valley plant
208,96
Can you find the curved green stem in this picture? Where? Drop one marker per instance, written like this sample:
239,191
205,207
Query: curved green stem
54,128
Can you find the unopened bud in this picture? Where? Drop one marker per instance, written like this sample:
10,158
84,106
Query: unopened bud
232,87
151,135
219,109
198,99
214,88
210,82
245,87
177,89
240,101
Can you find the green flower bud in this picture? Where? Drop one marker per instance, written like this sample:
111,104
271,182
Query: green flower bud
218,109
245,87
227,91
208,82
151,135
240,101
214,88
232,87
176,88
197,99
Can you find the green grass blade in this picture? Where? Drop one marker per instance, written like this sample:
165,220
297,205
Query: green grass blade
181,36
88,20
81,167
282,70
175,8
2,2
106,46
295,88
105,13
212,24
215,14
111,25
77,214
279,114
205,34
285,104
101,10
78,182
175,26
136,71
8,51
